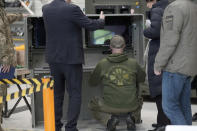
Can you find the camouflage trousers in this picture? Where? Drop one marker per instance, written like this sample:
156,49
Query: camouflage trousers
102,112
3,92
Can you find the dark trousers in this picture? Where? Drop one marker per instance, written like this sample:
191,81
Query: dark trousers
72,75
162,119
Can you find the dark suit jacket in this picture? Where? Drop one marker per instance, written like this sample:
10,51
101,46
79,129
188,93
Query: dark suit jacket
63,24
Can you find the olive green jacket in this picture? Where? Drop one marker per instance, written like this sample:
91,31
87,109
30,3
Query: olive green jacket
178,47
120,77
7,52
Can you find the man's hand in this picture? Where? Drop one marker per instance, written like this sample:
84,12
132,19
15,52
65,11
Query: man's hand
132,11
102,16
157,73
5,68
148,23
25,15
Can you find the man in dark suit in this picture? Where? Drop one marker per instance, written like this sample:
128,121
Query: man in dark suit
64,53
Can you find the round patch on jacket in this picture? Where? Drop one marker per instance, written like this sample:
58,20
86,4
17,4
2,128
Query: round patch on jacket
119,75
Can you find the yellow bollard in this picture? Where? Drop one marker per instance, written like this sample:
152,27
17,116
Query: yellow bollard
48,105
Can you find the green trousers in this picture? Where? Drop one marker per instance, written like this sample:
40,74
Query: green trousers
102,112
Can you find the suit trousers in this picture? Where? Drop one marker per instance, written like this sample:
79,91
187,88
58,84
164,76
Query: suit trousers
67,77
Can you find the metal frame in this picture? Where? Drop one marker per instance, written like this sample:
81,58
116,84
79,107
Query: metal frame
7,113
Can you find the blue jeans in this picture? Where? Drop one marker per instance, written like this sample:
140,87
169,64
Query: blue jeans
176,92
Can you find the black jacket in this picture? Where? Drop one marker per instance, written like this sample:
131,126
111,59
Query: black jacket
63,24
153,33
156,14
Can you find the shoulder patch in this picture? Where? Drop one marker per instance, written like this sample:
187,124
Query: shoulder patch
169,22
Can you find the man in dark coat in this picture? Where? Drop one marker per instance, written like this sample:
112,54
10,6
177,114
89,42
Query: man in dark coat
153,33
64,53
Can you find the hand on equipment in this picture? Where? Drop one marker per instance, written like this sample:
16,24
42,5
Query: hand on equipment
102,16
5,68
148,23
157,72
132,11
26,15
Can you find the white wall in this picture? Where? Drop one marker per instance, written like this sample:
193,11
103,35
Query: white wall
80,3
37,7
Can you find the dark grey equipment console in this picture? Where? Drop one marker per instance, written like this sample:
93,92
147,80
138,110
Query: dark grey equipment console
35,56
115,6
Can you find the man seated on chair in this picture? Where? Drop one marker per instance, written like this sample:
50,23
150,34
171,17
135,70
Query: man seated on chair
120,77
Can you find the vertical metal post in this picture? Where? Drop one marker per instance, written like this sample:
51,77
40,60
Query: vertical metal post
48,104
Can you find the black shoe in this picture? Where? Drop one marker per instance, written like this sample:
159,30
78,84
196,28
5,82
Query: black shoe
161,128
194,118
153,129
130,123
112,123
155,125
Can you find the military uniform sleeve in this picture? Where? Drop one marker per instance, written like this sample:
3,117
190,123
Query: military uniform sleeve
14,17
4,49
82,20
95,77
170,35
6,52
3,55
140,74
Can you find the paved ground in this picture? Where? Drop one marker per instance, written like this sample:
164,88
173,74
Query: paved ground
22,121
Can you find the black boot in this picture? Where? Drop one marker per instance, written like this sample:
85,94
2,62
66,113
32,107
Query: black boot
194,118
155,125
161,128
112,123
130,123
